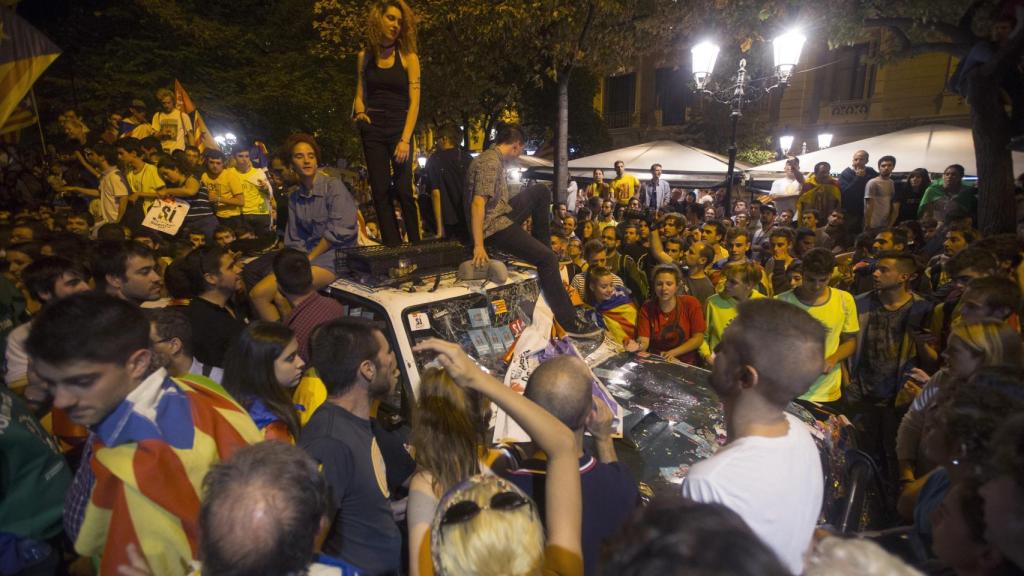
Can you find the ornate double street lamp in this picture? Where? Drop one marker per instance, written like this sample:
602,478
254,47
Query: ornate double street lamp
743,91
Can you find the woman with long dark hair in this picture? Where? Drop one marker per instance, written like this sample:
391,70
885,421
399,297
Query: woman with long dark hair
385,109
910,192
260,371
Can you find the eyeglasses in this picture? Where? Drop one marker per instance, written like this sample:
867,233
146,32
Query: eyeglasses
466,510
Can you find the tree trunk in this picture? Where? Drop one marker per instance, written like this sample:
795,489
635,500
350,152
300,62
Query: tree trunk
992,131
561,178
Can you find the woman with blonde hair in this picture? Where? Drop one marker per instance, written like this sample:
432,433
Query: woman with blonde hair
971,347
836,556
386,105
987,343
449,442
485,526
610,307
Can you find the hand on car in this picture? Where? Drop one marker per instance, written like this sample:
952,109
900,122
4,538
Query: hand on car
452,358
480,258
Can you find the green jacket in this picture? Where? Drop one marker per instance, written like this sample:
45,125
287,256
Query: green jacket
967,198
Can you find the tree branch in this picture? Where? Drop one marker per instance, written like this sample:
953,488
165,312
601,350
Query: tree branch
952,31
582,41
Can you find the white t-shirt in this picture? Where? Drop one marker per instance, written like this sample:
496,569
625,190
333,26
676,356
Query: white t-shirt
784,193
571,191
775,484
880,191
112,189
174,124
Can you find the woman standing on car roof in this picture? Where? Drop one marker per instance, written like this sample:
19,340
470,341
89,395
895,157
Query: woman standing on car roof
385,109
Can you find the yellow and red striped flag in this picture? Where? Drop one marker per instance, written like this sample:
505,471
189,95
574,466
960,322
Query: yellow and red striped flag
203,137
24,55
22,117
149,458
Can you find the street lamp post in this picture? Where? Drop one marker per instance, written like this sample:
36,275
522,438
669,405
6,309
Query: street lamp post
787,50
786,143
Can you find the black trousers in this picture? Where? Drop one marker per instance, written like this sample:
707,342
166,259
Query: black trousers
878,421
389,180
535,201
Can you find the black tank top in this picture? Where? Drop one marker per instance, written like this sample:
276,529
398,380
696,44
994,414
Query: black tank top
387,89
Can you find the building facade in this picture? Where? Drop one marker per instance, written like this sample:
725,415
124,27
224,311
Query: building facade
841,91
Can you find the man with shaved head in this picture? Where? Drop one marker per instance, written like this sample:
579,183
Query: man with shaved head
852,182
265,511
770,471
563,386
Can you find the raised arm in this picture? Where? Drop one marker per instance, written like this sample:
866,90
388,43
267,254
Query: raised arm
658,249
563,514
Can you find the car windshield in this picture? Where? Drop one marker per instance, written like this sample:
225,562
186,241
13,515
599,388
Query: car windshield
485,323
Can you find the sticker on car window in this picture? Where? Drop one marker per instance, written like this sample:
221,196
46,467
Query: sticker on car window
479,317
499,307
418,321
480,342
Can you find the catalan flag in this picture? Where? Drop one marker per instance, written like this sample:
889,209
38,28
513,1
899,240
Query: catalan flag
24,55
203,137
617,315
23,116
148,461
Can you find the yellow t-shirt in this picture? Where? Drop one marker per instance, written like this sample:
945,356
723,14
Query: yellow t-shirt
309,395
145,181
256,202
624,188
719,312
839,316
226,185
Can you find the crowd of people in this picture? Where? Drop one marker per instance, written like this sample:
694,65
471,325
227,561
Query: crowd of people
180,396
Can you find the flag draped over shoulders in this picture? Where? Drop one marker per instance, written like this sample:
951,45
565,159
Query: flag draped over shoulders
149,460
617,315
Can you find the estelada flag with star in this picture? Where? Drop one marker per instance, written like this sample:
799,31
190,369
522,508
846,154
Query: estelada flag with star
24,54
203,138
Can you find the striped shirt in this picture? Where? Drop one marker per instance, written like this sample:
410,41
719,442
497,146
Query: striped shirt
199,205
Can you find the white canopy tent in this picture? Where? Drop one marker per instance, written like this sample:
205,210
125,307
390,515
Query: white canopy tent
680,164
930,146
526,161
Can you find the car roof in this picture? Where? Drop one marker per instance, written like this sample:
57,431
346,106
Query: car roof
397,298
